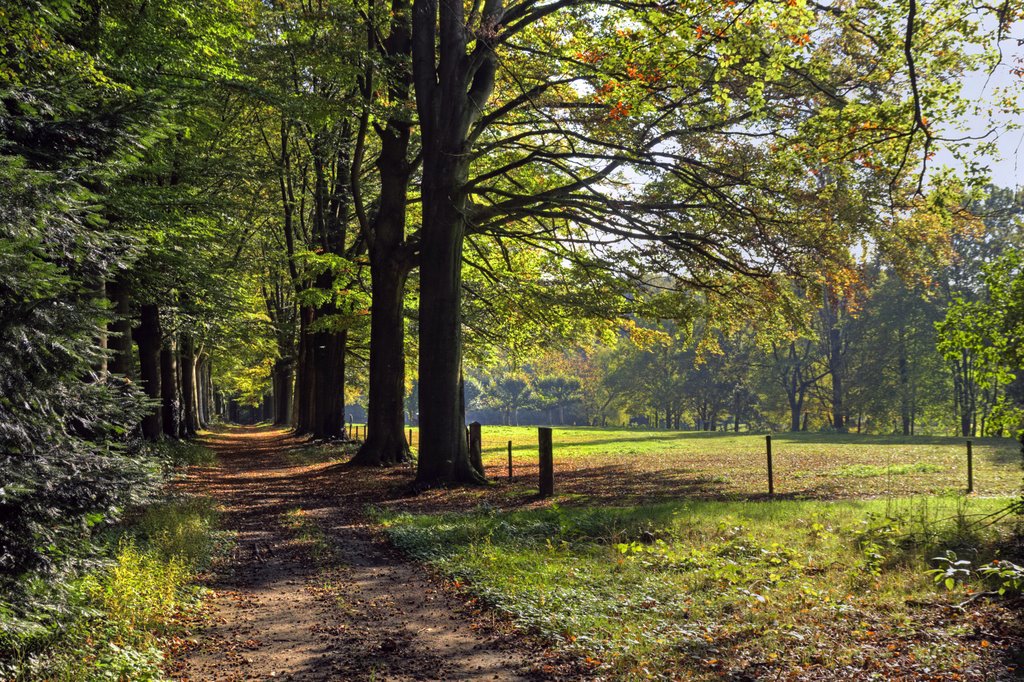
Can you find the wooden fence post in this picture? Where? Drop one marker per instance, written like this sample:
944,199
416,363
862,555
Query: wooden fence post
970,468
510,460
410,438
547,462
771,471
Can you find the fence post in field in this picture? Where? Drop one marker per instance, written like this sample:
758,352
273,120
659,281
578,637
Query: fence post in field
547,462
771,472
970,468
410,438
510,460
476,447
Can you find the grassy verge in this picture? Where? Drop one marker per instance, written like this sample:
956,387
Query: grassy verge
112,616
703,589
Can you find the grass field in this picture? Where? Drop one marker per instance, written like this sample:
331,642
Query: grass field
734,590
661,557
623,464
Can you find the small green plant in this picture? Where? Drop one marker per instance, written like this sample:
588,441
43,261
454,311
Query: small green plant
952,571
1008,576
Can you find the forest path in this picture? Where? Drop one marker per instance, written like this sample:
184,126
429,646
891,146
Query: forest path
310,593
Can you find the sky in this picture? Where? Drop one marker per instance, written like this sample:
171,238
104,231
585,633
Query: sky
1007,169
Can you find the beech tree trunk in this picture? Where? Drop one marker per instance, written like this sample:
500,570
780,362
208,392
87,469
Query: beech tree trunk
169,387
328,418
453,84
189,388
148,338
390,263
795,409
385,438
305,380
443,455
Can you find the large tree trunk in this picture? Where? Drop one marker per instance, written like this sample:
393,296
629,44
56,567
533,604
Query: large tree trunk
385,439
148,338
452,88
443,456
329,387
390,263
169,388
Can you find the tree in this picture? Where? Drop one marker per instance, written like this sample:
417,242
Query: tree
508,393
618,102
978,339
560,392
68,458
391,249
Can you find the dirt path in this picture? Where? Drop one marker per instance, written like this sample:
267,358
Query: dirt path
311,594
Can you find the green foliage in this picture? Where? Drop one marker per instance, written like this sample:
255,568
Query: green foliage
67,458
1004,576
952,570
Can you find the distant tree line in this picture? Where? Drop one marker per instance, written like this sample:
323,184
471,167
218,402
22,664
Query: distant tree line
934,352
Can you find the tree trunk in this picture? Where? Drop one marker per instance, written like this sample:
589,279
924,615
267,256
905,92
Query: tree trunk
189,389
837,362
329,386
452,89
120,329
385,439
203,395
796,408
443,456
281,387
305,383
169,387
148,338
903,374
390,263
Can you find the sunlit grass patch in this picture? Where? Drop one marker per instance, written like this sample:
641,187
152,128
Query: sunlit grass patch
703,588
183,453
869,470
